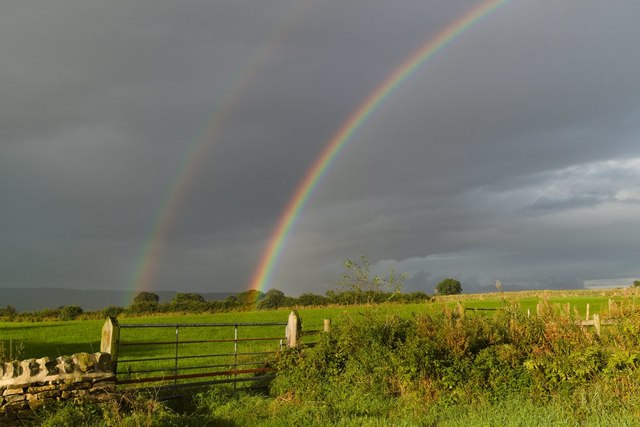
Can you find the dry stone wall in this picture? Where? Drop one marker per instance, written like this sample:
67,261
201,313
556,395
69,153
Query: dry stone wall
31,383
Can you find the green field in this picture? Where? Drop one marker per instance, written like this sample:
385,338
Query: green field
57,338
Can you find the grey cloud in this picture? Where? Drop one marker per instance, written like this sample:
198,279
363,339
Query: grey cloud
485,149
581,201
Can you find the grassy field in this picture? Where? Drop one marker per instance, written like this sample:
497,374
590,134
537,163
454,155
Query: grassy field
57,338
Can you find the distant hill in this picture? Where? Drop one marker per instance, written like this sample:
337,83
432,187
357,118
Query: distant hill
33,299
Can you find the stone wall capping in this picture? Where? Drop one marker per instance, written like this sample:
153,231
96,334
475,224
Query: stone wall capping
32,383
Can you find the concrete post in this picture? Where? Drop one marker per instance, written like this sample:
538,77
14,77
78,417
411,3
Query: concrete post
587,316
294,326
596,323
110,341
327,325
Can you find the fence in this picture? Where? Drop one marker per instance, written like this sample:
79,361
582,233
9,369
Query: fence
198,354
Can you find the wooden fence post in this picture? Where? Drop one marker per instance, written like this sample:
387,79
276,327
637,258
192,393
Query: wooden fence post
294,326
110,341
327,325
587,316
539,309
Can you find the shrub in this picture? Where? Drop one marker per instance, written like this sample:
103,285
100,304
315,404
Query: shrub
112,311
187,302
70,312
8,312
248,300
312,299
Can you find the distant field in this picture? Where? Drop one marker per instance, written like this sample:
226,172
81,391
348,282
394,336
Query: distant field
58,338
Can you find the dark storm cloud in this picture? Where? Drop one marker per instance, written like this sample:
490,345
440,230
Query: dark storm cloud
511,154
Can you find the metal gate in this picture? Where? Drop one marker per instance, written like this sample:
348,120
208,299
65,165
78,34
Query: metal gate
196,354
170,355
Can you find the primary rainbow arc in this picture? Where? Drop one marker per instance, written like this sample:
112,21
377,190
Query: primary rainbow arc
305,188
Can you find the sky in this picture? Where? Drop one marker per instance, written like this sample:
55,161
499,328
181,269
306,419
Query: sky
164,140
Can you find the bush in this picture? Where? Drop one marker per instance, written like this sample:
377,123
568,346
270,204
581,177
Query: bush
187,302
312,299
8,313
70,312
248,300
112,311
449,358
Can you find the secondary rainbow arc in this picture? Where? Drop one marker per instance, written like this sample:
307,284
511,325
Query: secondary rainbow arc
197,151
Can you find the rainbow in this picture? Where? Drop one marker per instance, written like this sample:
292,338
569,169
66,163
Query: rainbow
186,171
305,188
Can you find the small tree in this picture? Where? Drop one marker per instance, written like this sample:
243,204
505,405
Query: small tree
636,283
145,302
188,302
249,298
358,282
146,297
272,299
449,287
230,302
184,298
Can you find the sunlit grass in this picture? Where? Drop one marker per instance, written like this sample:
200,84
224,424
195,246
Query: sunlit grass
56,338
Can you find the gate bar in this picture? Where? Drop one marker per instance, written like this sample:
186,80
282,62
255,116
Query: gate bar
197,325
202,375
196,357
200,341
